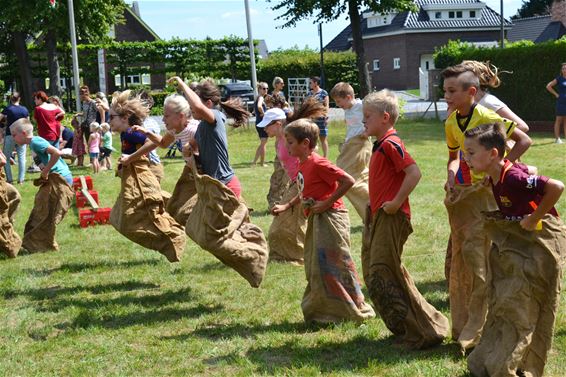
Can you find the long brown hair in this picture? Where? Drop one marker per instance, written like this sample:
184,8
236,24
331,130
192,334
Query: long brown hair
133,106
234,108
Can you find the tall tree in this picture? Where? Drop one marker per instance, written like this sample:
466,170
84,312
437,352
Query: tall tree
532,8
330,10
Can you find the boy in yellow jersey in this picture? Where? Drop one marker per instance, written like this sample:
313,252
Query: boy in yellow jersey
466,197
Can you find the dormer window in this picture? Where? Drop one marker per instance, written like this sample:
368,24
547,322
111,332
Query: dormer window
451,14
438,15
377,19
459,14
472,14
453,10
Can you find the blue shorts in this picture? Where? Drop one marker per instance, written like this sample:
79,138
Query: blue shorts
93,155
322,126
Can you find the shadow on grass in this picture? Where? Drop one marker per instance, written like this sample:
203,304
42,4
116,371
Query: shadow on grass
160,299
83,266
338,356
211,266
431,288
56,291
356,229
90,318
258,213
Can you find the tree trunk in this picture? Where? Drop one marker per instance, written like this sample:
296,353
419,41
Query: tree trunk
24,68
53,63
358,44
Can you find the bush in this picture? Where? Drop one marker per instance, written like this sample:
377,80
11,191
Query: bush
527,68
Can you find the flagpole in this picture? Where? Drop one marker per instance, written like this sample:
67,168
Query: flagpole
251,47
74,53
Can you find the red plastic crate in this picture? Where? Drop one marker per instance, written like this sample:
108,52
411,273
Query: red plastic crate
77,186
81,200
93,217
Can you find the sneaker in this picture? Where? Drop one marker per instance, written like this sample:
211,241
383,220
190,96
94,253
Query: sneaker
34,169
12,161
558,141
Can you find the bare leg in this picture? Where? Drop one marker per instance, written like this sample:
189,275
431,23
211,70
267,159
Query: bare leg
260,151
324,145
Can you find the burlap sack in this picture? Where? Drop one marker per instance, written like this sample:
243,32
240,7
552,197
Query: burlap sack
404,310
334,292
220,224
286,235
354,159
52,201
10,242
469,267
157,170
184,197
524,296
139,213
278,183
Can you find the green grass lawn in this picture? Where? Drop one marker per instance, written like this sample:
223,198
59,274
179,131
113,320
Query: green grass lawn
103,305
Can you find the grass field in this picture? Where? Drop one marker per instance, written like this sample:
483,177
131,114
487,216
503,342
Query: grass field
103,305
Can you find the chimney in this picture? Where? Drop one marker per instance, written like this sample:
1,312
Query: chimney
558,11
136,8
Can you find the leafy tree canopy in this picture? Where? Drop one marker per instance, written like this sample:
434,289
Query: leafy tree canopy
532,8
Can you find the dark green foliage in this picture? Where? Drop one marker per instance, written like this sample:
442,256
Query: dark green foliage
338,66
527,67
532,8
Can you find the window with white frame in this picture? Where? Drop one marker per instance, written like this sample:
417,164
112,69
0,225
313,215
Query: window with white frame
459,14
451,14
376,64
135,79
472,14
396,63
438,15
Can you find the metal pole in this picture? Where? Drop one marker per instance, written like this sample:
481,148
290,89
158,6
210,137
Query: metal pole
321,57
251,46
502,23
74,53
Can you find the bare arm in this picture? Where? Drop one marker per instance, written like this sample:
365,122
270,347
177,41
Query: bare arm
55,154
260,105
522,143
412,177
550,87
278,208
452,169
2,159
344,183
507,113
552,191
200,111
147,147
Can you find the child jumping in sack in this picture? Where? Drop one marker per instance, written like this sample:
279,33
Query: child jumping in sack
529,244
333,292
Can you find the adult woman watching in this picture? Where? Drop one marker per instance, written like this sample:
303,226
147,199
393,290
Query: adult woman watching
48,117
560,102
259,108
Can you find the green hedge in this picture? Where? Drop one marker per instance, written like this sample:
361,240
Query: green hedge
338,66
530,66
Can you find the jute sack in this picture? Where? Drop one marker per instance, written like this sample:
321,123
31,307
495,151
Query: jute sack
278,183
220,224
286,234
183,198
52,201
354,159
139,213
469,267
404,310
524,296
10,242
334,291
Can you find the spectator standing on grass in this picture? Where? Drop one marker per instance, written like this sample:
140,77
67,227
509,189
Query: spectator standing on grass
259,109
322,122
89,111
9,115
559,81
48,117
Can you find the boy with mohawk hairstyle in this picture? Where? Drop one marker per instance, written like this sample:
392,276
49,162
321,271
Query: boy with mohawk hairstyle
466,198
393,174
529,242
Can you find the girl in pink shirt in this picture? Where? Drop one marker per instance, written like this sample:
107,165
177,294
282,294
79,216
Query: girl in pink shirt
94,146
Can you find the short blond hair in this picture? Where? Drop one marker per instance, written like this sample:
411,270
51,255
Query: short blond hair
94,126
105,126
22,125
302,129
384,101
342,90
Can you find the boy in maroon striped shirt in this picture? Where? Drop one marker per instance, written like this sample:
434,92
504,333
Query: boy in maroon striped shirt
529,242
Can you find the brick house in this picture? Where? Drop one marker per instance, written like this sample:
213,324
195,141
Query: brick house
397,44
540,28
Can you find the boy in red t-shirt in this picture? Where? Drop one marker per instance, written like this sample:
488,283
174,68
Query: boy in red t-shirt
333,292
529,243
393,175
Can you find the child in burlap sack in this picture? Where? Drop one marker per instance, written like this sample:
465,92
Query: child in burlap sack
355,152
287,231
139,212
10,242
333,292
526,257
393,174
466,198
55,194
